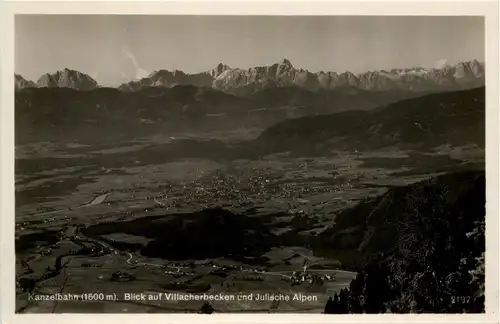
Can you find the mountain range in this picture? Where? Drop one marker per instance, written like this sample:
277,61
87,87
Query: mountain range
22,83
238,81
61,79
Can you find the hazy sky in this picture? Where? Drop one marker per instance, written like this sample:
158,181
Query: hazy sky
115,49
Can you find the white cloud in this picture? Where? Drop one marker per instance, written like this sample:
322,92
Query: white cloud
139,73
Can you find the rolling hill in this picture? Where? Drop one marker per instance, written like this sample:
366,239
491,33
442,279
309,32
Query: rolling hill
454,118
65,110
205,234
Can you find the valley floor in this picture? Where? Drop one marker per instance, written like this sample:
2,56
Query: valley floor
62,188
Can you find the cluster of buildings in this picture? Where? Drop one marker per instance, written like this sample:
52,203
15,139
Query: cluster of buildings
303,276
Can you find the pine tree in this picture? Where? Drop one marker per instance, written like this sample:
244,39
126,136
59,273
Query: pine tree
356,289
329,306
344,295
377,290
336,304
207,308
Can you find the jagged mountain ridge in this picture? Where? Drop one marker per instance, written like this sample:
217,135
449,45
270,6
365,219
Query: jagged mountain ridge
463,75
168,79
21,83
67,79
240,81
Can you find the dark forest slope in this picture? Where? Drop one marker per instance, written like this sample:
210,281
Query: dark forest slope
454,118
419,248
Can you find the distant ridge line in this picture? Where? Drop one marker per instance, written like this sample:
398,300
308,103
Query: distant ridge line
467,74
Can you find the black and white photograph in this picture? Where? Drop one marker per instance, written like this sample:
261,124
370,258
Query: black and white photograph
206,164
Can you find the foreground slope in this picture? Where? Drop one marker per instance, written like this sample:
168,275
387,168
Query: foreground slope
418,248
